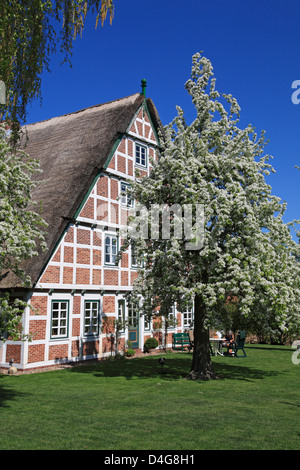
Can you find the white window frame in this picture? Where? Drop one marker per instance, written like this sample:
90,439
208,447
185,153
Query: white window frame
133,311
91,321
126,199
121,313
139,149
59,321
188,317
134,262
147,323
172,317
110,254
133,259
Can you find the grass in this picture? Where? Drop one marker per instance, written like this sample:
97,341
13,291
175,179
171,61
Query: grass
136,405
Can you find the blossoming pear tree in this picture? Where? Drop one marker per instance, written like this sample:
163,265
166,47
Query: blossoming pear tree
241,248
20,227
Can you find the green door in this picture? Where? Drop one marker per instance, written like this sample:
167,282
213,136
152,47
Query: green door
133,325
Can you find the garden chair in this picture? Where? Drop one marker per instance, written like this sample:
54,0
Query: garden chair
191,337
239,344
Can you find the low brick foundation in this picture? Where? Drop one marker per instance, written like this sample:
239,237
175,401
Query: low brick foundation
139,353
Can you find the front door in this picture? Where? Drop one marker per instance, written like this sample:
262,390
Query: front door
133,325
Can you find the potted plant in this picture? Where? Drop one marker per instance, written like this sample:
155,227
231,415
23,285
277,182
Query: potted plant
130,352
151,344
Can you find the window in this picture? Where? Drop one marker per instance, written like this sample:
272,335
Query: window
171,319
140,155
147,323
126,199
134,262
91,317
121,314
110,249
59,319
132,315
188,317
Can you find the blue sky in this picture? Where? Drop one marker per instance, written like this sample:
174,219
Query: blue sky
253,46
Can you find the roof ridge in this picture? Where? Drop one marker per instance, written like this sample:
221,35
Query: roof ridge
83,109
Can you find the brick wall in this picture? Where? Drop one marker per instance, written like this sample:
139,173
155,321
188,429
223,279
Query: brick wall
76,304
83,237
68,254
114,188
51,275
58,351
83,256
111,277
107,345
67,275
13,351
57,255
88,209
75,348
36,353
91,348
109,304
39,304
102,186
76,327
82,276
37,329
97,278
124,278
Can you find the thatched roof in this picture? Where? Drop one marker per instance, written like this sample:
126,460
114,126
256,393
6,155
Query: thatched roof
71,150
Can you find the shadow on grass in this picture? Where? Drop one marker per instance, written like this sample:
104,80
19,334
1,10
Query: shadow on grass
238,372
177,367
8,394
174,368
290,404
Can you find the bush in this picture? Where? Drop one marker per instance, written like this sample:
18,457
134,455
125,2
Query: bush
151,343
130,352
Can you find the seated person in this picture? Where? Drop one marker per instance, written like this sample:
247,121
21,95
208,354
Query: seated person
229,339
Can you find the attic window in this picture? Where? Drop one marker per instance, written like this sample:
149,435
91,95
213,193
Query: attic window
111,248
141,155
126,198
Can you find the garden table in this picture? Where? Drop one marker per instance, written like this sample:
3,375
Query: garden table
217,345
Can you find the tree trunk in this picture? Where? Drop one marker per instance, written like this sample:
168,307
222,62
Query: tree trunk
201,364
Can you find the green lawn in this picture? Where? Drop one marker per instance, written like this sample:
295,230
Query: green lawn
134,405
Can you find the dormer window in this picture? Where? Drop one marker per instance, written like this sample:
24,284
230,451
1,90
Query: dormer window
141,155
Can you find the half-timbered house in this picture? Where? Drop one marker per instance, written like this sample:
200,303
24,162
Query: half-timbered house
88,158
